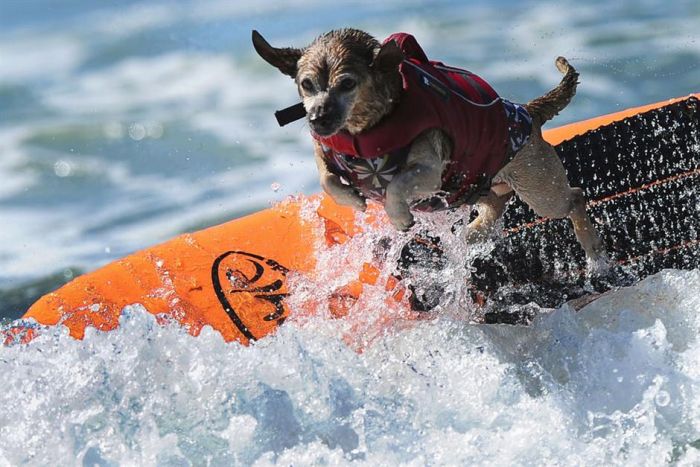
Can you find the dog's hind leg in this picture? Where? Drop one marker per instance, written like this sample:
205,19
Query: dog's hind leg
539,179
584,230
490,208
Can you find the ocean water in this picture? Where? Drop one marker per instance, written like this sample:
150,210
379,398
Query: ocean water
614,384
125,123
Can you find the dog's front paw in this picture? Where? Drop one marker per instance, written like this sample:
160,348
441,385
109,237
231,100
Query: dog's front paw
400,217
359,202
351,198
343,194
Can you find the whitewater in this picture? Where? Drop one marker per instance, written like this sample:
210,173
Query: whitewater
613,384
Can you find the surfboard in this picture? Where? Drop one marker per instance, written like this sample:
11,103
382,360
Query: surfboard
639,169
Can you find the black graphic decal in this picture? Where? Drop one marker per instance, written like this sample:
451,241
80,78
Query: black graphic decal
248,273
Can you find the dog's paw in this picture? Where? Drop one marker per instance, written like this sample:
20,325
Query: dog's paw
354,200
599,266
360,203
343,194
402,220
404,224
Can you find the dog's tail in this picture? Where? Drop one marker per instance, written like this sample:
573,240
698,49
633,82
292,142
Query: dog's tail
546,107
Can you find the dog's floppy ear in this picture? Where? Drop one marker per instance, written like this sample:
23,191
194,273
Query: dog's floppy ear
388,58
284,59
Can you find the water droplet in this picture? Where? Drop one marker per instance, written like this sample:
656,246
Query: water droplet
137,131
275,186
662,398
62,168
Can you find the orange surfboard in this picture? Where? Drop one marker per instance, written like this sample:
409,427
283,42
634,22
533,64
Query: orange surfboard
235,277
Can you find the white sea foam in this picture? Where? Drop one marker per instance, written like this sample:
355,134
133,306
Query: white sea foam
615,384
12,156
186,81
32,58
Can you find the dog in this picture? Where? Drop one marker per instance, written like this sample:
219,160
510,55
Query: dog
392,126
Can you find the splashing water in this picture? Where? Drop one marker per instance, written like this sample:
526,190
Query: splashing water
616,383
377,251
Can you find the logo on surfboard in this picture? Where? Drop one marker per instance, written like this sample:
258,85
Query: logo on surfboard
251,289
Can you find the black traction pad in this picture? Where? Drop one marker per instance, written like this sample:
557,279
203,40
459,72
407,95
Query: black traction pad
641,178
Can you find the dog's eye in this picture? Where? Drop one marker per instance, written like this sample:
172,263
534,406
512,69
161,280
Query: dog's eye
307,85
348,84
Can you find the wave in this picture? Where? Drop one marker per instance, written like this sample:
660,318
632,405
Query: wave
614,384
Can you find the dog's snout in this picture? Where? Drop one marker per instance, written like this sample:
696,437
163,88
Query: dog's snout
323,112
324,118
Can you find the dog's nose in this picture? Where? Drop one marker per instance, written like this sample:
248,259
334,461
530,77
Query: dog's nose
322,113
322,118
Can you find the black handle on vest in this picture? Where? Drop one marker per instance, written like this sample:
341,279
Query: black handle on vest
290,114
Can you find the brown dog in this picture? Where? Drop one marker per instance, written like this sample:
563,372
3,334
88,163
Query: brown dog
351,85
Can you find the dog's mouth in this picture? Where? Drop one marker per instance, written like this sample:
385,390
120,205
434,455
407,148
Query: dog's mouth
325,128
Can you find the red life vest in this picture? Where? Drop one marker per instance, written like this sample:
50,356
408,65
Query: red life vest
434,95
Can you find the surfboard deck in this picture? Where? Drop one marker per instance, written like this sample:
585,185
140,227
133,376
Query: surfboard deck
640,175
639,169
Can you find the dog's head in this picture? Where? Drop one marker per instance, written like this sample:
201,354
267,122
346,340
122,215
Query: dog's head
347,80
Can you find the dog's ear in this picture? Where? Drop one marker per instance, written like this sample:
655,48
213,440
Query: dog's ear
388,58
283,59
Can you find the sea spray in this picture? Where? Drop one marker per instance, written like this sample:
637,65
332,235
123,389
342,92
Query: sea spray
616,383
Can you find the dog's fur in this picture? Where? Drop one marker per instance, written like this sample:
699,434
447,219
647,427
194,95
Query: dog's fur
348,81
